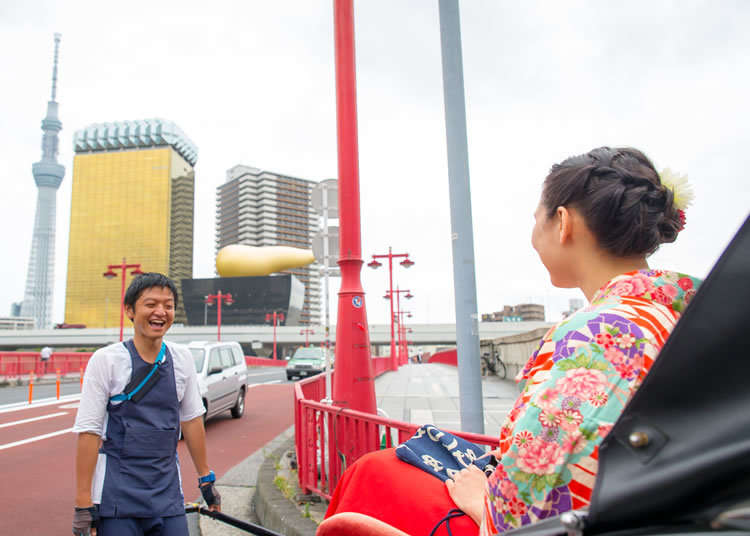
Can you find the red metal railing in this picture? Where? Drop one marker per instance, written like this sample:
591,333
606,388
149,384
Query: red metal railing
381,365
329,438
22,363
447,357
264,362
14,364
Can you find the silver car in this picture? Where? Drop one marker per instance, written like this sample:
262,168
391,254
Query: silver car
222,376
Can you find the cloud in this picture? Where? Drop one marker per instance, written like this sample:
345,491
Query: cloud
253,83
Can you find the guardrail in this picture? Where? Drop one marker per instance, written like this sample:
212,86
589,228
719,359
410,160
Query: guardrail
264,362
329,438
14,364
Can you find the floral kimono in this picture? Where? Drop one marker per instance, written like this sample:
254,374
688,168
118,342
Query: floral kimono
574,388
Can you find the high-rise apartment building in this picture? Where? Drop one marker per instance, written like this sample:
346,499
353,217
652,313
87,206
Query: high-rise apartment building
133,198
262,208
48,174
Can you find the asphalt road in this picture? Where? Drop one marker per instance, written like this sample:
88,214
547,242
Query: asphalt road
37,450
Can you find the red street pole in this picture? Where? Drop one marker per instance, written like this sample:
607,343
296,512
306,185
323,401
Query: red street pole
274,335
398,318
109,274
404,341
218,317
406,263
122,299
219,298
353,385
307,332
394,362
398,314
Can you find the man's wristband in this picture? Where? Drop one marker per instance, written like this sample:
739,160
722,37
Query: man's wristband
210,477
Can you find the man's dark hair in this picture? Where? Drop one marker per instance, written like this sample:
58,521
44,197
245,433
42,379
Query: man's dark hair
146,281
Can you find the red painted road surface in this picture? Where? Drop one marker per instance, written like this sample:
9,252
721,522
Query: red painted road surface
37,494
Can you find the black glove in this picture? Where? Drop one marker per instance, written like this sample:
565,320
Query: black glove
84,519
210,494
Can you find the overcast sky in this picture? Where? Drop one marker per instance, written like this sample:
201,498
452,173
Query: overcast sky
252,83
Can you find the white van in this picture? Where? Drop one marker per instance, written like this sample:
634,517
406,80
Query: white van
222,376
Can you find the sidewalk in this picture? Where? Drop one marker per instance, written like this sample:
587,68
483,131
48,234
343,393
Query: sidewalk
428,394
420,394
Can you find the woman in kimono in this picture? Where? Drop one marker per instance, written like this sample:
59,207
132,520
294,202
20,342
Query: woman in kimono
600,216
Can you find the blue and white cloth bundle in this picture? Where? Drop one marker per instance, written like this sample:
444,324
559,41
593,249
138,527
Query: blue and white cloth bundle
443,454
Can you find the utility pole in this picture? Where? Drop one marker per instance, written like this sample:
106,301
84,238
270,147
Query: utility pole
462,234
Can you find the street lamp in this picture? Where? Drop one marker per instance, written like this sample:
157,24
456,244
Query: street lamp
110,274
403,343
396,318
307,332
275,318
406,263
218,298
206,304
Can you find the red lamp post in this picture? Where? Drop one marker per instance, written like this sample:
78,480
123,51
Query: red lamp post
396,319
353,384
403,343
406,263
110,274
307,332
218,298
406,341
275,318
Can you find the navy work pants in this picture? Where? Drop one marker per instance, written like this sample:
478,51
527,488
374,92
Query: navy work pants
139,526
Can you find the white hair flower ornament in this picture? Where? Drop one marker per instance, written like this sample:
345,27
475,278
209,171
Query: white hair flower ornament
681,191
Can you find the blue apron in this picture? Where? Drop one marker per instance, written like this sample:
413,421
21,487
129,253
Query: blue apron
142,477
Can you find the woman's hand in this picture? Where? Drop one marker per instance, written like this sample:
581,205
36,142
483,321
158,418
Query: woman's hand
467,490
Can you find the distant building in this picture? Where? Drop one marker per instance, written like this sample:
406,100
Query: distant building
133,198
15,308
524,312
48,174
16,322
574,304
262,208
253,298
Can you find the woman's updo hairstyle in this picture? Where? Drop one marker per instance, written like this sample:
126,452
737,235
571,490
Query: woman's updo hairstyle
620,196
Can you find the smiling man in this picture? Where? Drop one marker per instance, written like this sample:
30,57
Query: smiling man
136,397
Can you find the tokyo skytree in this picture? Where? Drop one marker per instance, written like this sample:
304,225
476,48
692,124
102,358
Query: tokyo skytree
48,174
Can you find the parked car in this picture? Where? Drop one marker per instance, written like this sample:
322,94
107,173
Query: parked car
306,361
222,376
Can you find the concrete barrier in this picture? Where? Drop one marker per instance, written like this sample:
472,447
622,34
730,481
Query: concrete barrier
514,350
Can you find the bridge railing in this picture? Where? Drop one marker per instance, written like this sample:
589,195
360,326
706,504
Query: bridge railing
328,438
253,361
14,364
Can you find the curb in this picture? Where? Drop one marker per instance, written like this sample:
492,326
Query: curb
273,509
23,381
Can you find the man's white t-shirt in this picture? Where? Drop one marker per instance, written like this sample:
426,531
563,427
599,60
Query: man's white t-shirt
107,374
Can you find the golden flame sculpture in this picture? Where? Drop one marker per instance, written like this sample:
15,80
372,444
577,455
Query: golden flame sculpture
238,260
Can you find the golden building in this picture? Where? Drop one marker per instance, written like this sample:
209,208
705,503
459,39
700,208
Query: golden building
133,198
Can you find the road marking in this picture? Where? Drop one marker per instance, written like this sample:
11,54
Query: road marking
32,419
251,385
17,406
266,373
37,438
